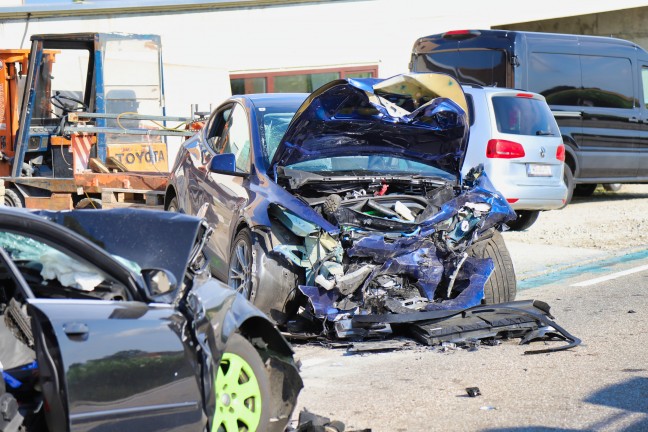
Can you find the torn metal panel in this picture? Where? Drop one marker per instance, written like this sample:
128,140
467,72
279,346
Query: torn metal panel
528,320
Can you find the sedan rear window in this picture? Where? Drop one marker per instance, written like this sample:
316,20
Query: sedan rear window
524,116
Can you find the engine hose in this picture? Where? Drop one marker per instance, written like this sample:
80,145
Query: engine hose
381,208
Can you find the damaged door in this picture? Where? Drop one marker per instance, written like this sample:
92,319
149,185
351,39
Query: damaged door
116,363
224,190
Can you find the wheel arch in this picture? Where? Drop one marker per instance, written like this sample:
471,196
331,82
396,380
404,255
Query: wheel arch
570,155
169,195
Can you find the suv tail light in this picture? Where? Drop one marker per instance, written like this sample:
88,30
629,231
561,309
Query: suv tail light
503,149
560,152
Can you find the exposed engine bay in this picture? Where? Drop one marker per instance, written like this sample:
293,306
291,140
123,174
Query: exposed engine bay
403,244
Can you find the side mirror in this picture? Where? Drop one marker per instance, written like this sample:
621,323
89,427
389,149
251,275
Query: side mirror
159,282
225,162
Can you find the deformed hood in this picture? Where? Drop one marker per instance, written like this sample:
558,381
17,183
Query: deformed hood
152,239
420,117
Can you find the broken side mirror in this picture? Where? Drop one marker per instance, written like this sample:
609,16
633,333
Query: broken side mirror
223,163
159,283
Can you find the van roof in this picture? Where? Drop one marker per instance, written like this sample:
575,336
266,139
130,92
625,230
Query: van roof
498,39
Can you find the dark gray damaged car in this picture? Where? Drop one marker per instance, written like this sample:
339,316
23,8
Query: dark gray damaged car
347,202
110,322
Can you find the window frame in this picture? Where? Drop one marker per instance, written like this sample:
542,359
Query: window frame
344,71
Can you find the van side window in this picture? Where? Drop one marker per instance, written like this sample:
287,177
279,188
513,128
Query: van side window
644,83
601,91
557,77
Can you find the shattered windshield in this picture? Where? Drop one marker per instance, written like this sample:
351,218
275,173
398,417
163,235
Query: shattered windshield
274,126
370,165
41,263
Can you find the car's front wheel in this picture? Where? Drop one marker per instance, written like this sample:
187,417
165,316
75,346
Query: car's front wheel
501,286
240,264
242,389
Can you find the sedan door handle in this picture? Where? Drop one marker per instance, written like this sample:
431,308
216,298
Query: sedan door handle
76,330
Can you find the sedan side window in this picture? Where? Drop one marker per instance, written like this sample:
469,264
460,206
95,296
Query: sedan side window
53,273
236,139
216,127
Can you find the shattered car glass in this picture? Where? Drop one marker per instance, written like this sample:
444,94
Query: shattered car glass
68,271
356,207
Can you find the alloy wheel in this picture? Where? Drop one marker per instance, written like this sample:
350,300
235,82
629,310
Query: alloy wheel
238,396
240,278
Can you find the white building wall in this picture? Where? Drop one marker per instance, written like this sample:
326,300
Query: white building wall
200,49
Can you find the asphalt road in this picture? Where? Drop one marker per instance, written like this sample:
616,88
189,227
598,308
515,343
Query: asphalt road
600,385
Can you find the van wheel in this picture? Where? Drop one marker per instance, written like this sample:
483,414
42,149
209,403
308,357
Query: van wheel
501,286
612,187
525,218
568,178
585,190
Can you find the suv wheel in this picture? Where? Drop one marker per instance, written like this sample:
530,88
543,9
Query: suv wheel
525,218
501,286
568,178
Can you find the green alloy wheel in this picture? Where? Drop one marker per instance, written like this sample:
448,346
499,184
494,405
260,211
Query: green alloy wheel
241,389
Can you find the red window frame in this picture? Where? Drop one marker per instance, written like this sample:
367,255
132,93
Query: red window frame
269,76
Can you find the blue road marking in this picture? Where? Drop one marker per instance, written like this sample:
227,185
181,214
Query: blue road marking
595,267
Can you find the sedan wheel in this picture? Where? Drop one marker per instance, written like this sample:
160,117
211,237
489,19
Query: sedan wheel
242,389
240,266
173,205
502,285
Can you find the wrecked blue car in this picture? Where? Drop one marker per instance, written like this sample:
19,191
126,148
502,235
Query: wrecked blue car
347,202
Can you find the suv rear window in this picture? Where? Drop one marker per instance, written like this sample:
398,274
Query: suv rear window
524,116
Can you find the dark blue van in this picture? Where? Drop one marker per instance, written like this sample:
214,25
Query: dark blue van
596,87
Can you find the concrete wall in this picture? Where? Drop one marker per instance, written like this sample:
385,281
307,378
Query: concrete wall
630,24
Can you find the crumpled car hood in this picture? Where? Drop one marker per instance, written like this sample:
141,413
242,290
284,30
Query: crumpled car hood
170,237
420,117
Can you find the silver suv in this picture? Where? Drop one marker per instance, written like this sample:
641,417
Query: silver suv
515,136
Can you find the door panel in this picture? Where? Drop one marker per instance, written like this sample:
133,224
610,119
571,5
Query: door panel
123,365
223,195
642,133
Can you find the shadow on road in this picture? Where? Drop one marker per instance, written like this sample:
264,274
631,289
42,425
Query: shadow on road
630,396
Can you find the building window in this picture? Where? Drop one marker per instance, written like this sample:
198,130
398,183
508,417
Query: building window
303,81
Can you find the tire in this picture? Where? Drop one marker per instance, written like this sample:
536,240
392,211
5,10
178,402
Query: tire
13,198
612,187
242,389
525,218
88,204
172,206
585,190
501,286
239,276
568,178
